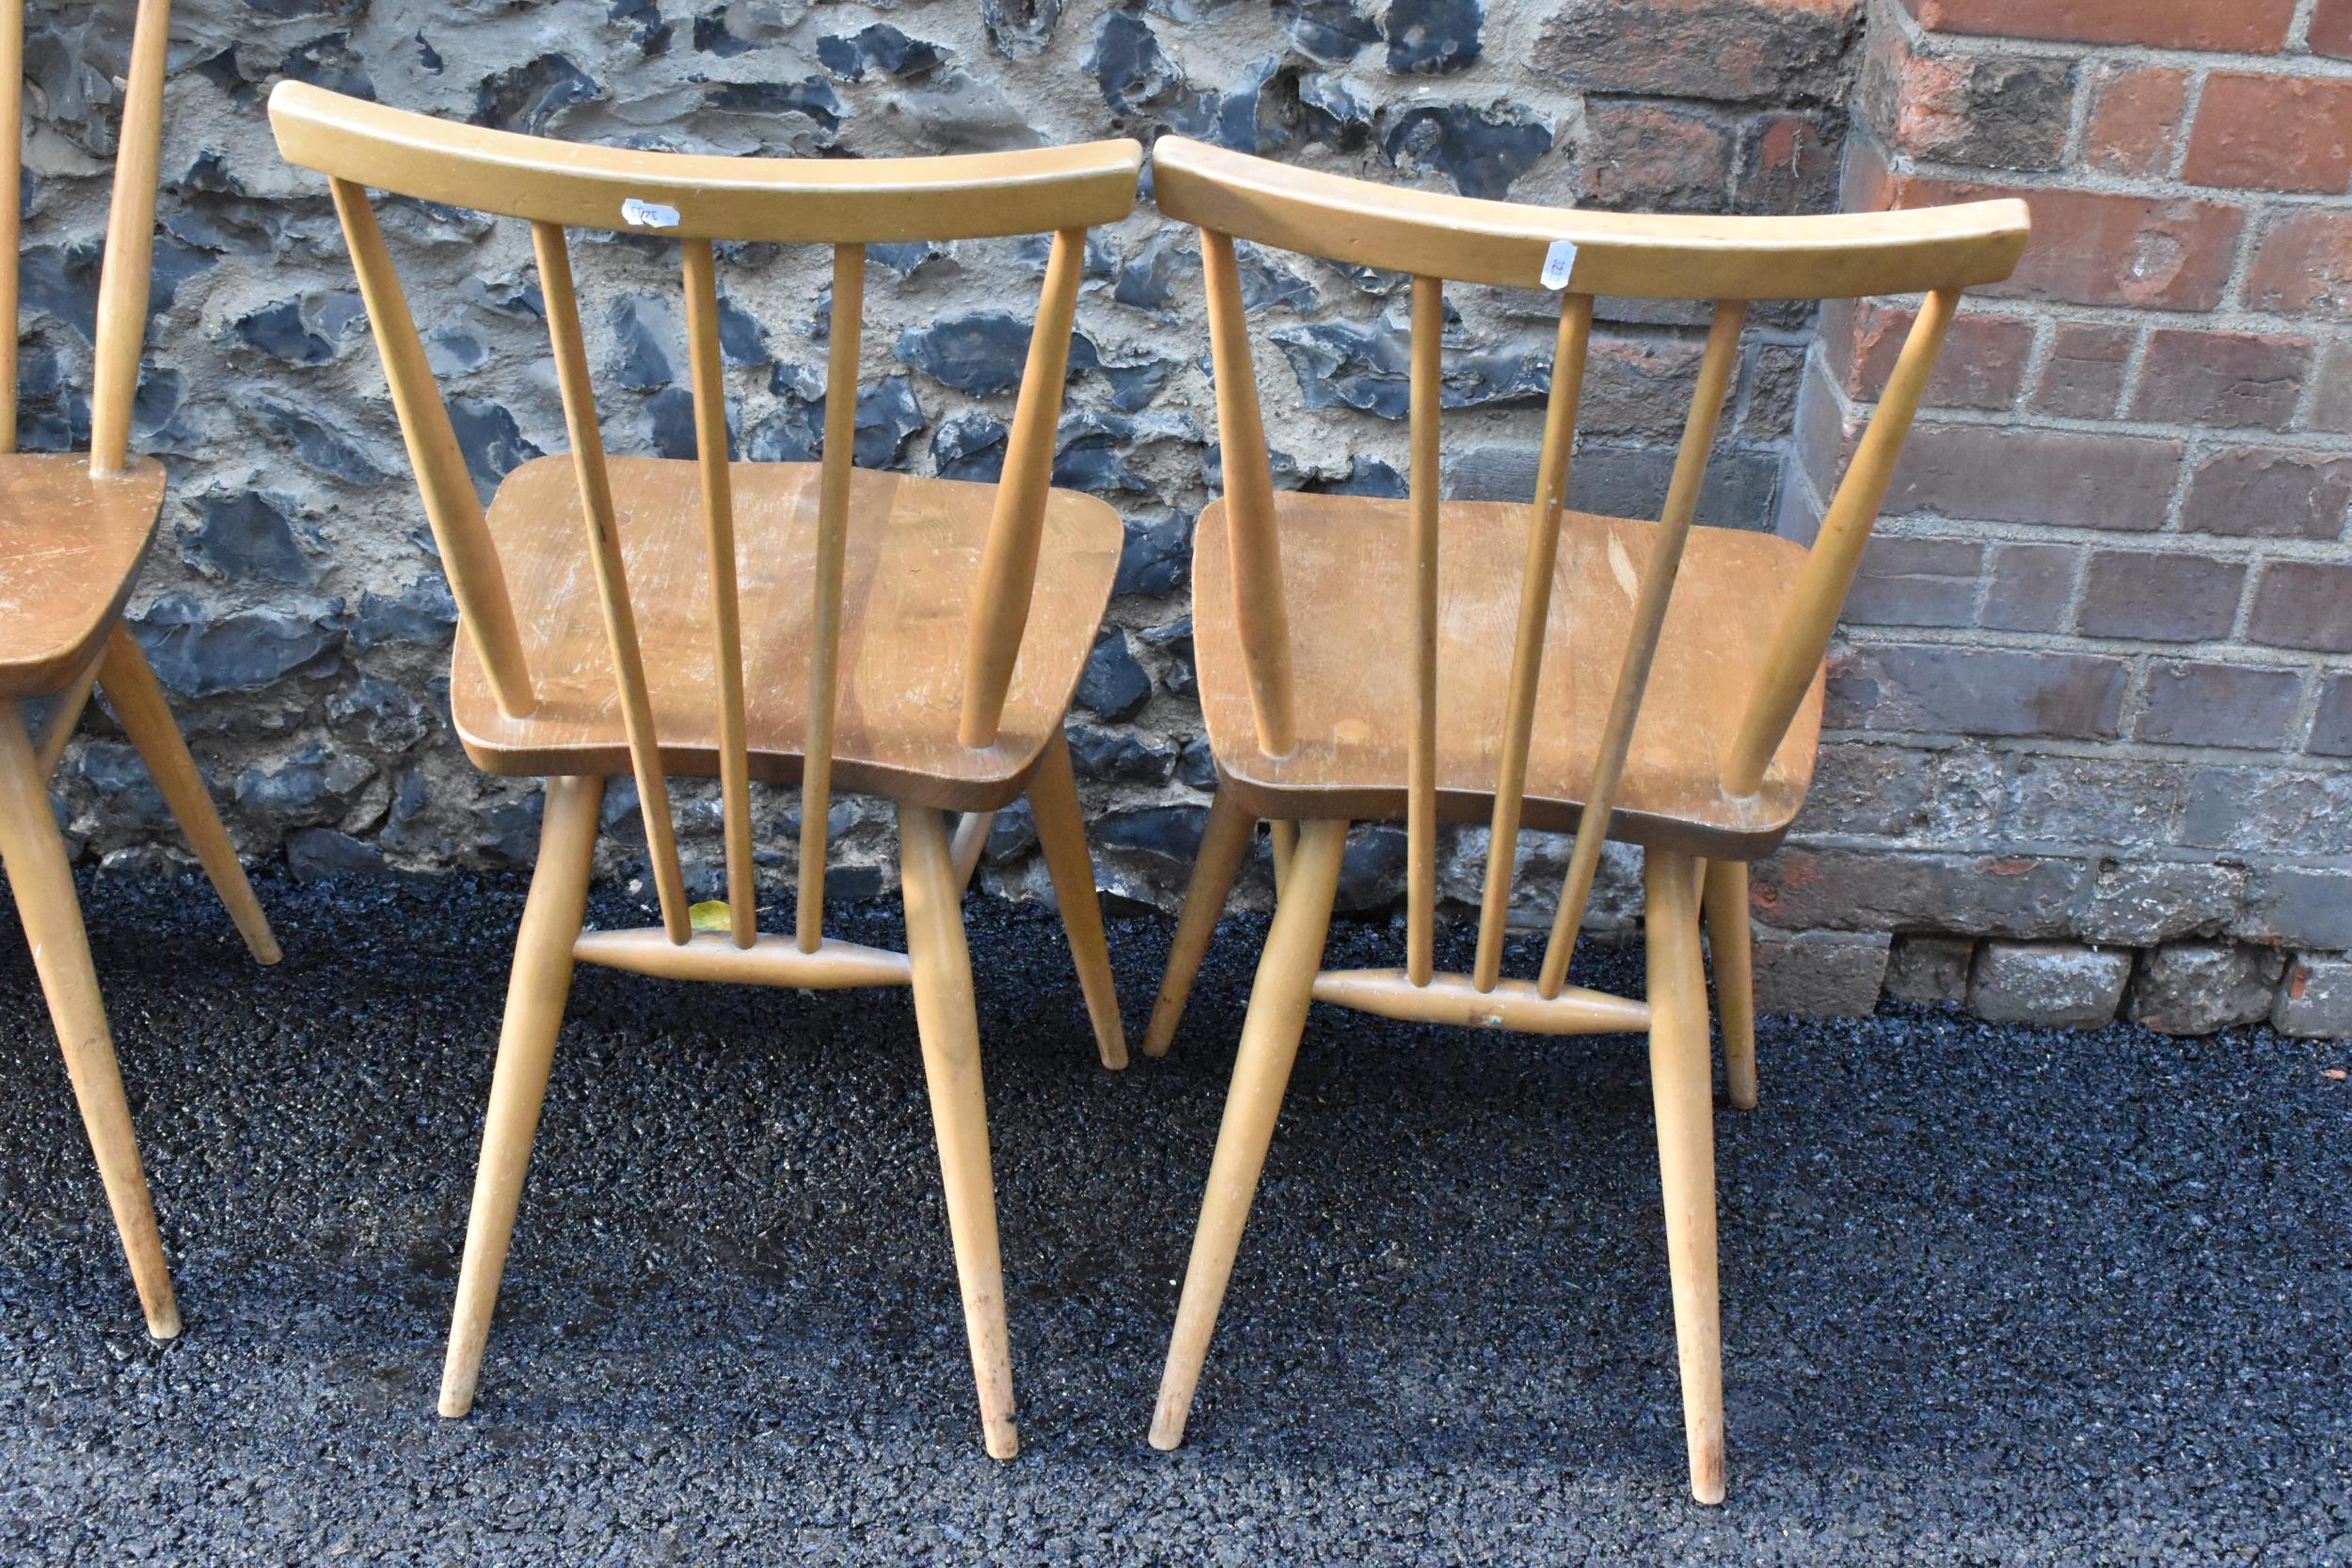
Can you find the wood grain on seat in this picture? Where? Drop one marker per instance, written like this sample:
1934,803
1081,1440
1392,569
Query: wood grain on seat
73,547
1346,580
914,550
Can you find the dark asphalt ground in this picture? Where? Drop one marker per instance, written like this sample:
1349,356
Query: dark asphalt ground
1993,1295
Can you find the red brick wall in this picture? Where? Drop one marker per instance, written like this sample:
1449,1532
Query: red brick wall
2096,683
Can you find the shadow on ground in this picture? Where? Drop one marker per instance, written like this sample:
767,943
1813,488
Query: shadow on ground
1992,1295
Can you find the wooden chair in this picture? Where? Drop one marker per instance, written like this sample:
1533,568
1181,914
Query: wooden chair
1685,721
74,531
915,639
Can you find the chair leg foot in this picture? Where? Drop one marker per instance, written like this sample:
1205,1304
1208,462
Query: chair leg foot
138,703
51,914
1061,834
1279,1001
535,997
1682,1090
948,1023
1223,842
1729,940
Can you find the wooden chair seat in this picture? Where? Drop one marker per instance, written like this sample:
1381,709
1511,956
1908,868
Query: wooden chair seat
914,549
70,546
1346,578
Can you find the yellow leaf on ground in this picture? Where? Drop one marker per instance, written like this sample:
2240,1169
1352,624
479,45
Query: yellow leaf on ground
711,914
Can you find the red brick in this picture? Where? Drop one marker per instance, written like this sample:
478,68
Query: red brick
2135,119
2304,266
2019,474
2303,604
1646,156
1941,690
2092,247
2219,705
2331,725
1915,582
2268,492
2222,380
2083,378
1982,364
2244,26
2272,134
1788,165
1995,111
2331,30
2159,596
1728,50
2031,586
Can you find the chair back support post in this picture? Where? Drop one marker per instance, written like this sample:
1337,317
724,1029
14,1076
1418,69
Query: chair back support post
130,254
1527,643
712,458
1249,528
1797,649
604,555
476,579
1000,606
824,639
1422,482
1716,368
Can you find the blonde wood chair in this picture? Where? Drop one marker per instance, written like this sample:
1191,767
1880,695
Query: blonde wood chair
1370,659
74,531
810,623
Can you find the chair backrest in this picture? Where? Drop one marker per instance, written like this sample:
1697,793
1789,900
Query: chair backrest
130,253
1433,238
698,199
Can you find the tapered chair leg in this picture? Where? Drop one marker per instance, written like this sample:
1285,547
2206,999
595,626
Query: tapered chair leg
949,1025
1682,1090
1281,844
1223,842
535,996
138,703
51,915
1269,1044
1061,834
970,843
1729,940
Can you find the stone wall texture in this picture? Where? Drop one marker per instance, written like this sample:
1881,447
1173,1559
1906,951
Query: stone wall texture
2097,684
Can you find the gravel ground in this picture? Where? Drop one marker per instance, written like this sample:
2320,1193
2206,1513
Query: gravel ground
1992,1294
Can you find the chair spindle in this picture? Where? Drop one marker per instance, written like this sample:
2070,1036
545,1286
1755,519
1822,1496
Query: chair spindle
604,553
1421,805
476,579
1000,604
1256,546
129,260
1527,648
12,194
825,637
718,505
1798,646
1648,621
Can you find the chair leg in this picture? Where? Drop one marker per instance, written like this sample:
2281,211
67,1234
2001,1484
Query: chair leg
51,914
138,703
535,995
949,1025
1223,844
1728,939
1682,1090
1282,844
1269,1044
970,841
1061,834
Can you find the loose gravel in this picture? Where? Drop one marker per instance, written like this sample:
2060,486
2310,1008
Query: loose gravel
1992,1294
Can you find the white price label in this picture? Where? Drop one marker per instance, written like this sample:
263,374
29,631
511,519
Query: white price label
653,214
1559,260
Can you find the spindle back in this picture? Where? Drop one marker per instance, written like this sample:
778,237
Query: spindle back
1433,238
847,205
130,252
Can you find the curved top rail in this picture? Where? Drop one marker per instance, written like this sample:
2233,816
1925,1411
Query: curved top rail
1675,256
699,196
